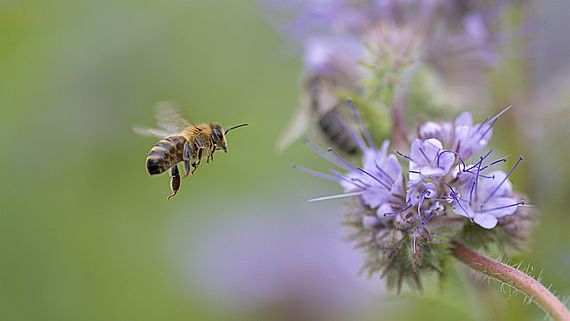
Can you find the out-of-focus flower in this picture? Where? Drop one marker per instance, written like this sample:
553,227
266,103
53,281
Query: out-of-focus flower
452,30
406,228
333,57
262,260
372,49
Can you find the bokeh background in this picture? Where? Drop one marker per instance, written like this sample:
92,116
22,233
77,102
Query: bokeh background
86,234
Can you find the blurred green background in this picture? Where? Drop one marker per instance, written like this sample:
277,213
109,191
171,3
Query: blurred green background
86,234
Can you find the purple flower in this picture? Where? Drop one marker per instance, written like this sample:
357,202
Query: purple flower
428,159
463,32
462,137
227,263
419,191
486,199
407,225
442,131
380,177
469,138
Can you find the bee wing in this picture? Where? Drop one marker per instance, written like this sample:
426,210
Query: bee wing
295,129
168,118
147,131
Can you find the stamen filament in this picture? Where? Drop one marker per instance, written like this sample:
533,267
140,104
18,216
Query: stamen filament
344,178
390,179
376,179
324,198
404,156
342,160
503,181
398,212
315,173
501,207
480,160
326,156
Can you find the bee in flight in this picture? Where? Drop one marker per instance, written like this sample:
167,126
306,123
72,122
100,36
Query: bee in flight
181,142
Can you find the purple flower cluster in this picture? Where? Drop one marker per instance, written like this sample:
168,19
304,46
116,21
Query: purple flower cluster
439,180
407,207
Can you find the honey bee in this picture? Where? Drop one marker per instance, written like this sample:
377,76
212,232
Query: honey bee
181,142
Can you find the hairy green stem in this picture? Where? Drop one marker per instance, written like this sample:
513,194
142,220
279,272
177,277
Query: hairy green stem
513,277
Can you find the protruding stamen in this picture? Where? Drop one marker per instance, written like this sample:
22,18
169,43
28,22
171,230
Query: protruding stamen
481,159
494,120
375,178
398,212
404,156
324,198
449,151
471,192
477,179
500,160
354,179
461,206
314,173
422,198
503,181
356,136
361,124
326,156
501,207
482,123
346,164
392,180
444,183
342,177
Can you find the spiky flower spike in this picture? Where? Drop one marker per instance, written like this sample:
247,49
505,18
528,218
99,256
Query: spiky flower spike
407,207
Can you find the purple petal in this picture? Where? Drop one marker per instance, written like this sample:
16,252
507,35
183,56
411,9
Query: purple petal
485,220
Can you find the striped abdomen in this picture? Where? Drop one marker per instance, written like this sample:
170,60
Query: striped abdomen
337,131
165,154
327,106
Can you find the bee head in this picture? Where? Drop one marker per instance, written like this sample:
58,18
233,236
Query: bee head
218,137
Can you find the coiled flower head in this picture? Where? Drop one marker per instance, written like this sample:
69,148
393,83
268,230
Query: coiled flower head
406,207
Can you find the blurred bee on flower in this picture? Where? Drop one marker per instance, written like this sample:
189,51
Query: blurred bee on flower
181,142
330,74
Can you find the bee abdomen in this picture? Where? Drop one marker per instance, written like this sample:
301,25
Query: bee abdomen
165,154
334,128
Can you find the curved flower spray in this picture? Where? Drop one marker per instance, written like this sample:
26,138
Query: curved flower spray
411,210
407,206
423,200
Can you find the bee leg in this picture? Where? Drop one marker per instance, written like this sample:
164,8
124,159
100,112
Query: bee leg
187,156
200,154
187,168
174,181
211,156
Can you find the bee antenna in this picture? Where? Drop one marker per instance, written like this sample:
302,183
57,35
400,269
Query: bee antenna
236,126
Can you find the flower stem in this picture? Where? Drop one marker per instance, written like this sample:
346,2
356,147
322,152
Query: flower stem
513,277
